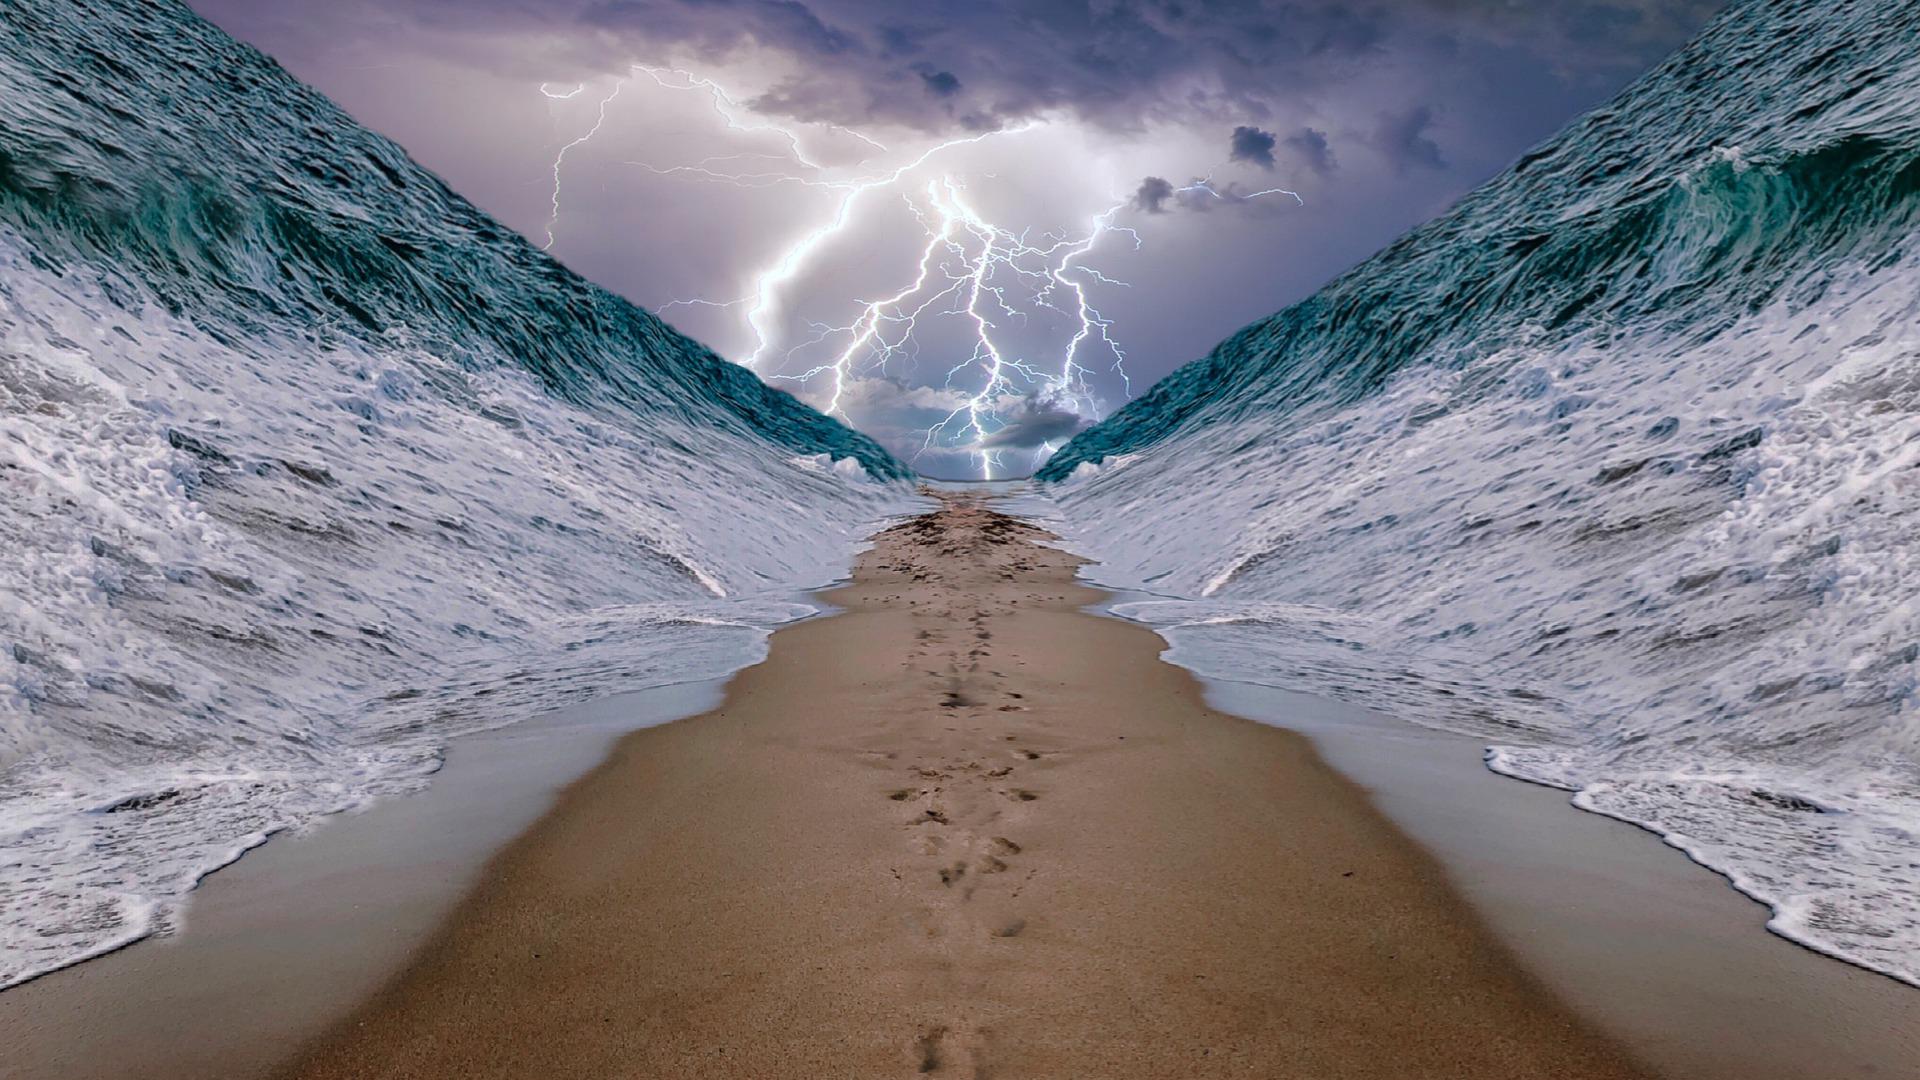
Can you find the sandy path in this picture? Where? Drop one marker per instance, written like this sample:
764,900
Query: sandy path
963,829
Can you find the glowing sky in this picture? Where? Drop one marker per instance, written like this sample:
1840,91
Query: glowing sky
1051,114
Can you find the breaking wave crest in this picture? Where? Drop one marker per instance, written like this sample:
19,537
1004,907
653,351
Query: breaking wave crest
1612,466
309,466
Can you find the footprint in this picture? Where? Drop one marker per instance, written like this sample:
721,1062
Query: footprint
927,1048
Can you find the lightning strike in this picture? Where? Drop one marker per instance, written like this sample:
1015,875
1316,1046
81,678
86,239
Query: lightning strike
1294,195
697,302
1206,184
1044,268
729,111
560,158
771,280
983,275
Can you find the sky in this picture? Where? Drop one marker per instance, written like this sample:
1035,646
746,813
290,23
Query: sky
969,229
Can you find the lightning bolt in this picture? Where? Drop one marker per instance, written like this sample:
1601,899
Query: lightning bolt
866,330
1045,268
560,158
1091,321
730,111
770,281
697,302
1205,184
970,269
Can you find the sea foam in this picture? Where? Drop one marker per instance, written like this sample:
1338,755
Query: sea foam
309,467
1612,466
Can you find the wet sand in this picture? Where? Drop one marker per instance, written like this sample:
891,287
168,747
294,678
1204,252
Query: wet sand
963,829
276,947
1638,939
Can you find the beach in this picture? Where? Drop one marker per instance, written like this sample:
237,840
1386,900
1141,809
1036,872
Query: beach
963,828
755,859
793,565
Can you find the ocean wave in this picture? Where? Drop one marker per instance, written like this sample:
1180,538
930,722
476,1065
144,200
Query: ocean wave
1611,466
310,467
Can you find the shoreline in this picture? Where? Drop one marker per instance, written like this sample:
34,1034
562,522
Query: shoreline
892,849
1636,937
1639,941
296,934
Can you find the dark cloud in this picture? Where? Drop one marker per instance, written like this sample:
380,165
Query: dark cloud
1419,98
941,83
796,24
1206,196
1313,150
1403,139
1157,195
899,40
1251,145
1033,421
1153,194
785,24
1119,64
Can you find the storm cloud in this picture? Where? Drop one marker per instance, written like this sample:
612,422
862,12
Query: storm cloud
1179,125
1034,421
1405,140
1251,145
1313,150
1152,195
941,83
986,64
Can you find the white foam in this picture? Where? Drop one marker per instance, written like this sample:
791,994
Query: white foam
1674,573
254,580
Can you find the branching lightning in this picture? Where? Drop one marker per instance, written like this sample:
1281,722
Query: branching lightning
730,112
1205,184
971,271
560,158
1042,271
769,282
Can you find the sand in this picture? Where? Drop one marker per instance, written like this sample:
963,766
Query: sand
963,829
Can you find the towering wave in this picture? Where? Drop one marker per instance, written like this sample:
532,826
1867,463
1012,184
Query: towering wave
308,465
1616,465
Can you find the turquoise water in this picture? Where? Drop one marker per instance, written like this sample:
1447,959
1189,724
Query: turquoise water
1612,465
309,466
